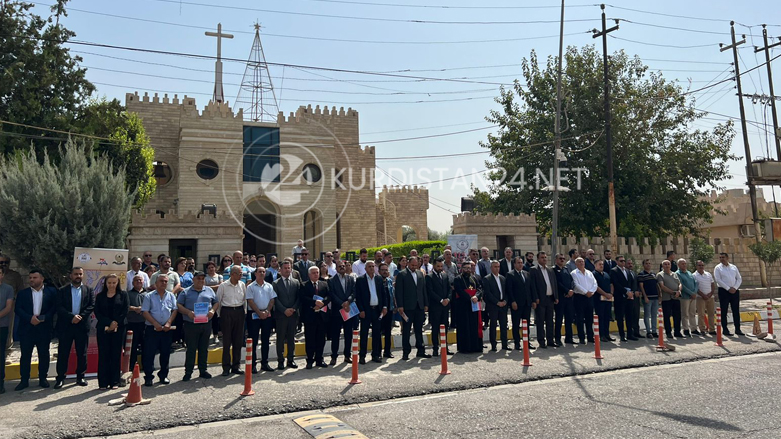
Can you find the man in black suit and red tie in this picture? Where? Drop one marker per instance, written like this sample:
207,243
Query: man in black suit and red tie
314,296
75,303
372,304
342,289
35,306
439,293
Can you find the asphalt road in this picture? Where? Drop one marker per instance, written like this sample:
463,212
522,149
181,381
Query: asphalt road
79,412
723,398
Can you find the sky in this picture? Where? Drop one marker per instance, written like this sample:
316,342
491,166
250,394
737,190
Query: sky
481,42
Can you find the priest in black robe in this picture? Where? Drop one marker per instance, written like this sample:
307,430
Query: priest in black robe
469,335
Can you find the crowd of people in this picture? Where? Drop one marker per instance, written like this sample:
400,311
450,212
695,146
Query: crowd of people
165,305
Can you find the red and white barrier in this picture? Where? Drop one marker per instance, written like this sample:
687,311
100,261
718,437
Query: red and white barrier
248,371
525,329
719,341
660,328
126,354
597,345
355,379
443,350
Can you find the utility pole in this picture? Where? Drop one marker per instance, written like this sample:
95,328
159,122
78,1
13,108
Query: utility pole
557,154
608,135
752,190
772,99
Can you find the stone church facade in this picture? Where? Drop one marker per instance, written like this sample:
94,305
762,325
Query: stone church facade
226,184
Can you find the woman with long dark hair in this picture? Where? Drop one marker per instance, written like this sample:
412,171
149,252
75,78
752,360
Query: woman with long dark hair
111,306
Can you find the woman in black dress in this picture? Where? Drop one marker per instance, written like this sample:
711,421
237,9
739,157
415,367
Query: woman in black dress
111,306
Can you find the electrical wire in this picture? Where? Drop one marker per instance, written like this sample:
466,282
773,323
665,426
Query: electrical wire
378,19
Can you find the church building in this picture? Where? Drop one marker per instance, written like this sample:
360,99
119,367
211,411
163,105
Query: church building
248,177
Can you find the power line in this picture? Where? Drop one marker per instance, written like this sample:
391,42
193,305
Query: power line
211,71
322,39
399,92
399,5
379,19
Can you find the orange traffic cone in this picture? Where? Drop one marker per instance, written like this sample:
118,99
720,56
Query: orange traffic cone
133,397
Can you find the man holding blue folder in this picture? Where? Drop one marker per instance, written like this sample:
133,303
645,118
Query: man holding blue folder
314,298
197,304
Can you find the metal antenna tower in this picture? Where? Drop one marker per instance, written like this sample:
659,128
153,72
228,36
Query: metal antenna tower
256,95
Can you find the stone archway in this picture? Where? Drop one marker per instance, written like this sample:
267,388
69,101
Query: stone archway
261,227
313,233
400,233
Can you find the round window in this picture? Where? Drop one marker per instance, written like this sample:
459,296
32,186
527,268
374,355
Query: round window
207,169
163,173
312,173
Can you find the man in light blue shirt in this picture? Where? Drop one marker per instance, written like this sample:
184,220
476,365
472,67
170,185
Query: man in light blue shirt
159,309
260,301
246,270
688,298
197,329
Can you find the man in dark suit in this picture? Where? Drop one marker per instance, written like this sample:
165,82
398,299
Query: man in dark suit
529,263
372,304
342,289
506,264
35,306
314,296
439,293
75,303
496,297
303,265
412,304
286,306
545,287
565,309
622,288
609,263
522,299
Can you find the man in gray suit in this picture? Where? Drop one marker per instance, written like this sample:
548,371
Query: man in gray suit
543,284
412,304
286,314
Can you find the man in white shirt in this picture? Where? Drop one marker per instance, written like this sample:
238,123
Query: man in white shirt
135,270
298,248
330,264
359,266
426,266
388,259
450,267
706,301
584,284
727,277
232,297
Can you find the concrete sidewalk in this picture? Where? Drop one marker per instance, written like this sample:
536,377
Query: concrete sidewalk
77,411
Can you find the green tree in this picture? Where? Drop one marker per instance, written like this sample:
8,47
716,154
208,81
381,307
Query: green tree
43,86
699,250
408,234
41,83
434,235
767,252
661,165
50,207
129,145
